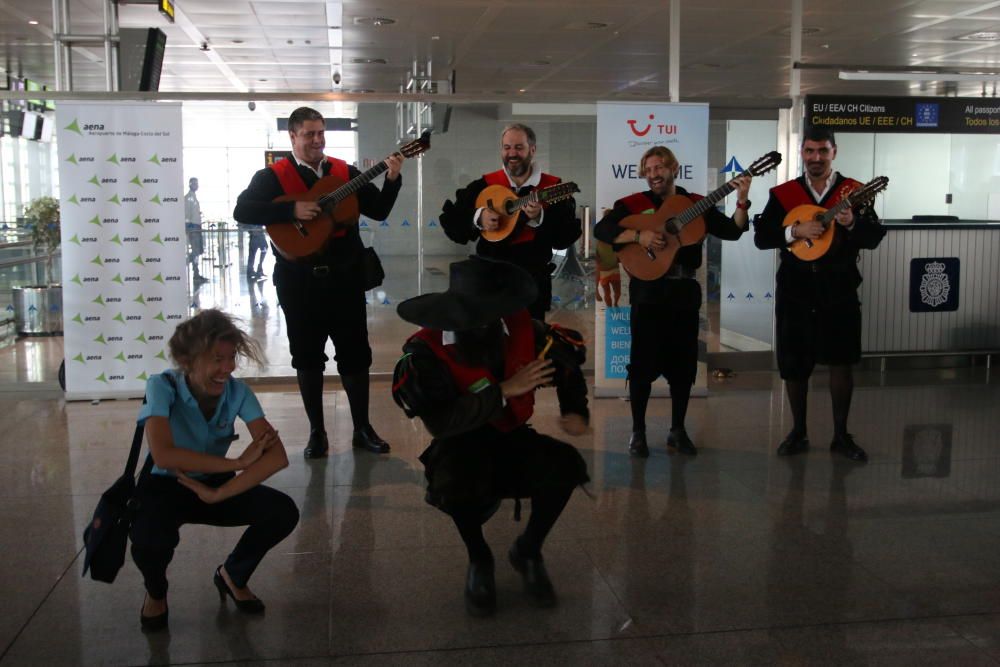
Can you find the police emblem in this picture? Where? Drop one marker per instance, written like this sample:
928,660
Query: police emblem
934,285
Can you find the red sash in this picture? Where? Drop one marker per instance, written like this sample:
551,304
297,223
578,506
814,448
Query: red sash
292,184
794,193
519,349
525,233
640,202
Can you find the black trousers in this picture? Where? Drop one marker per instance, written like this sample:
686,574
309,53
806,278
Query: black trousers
475,470
165,505
318,308
664,342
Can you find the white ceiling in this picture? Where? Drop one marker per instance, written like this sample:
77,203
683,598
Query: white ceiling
733,52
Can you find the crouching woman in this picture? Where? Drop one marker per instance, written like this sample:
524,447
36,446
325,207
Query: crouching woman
189,418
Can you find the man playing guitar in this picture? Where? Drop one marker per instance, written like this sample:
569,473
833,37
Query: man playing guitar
665,311
817,311
540,228
322,296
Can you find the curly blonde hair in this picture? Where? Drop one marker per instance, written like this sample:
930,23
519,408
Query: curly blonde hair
661,152
196,336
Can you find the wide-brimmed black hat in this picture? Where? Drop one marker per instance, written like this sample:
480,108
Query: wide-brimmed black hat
480,291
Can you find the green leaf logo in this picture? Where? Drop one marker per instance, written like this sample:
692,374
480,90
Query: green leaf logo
142,376
136,181
155,159
99,300
100,339
155,199
160,317
119,318
141,338
140,299
118,279
74,127
96,220
93,179
115,200
73,200
101,378
159,278
97,260
120,356
75,239
79,358
113,158
138,260
78,319
76,279
116,239
136,221
72,158
161,355
157,239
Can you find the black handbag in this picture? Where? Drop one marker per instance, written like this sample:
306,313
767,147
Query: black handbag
371,269
106,536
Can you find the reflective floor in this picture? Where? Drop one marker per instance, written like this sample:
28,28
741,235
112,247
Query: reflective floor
37,359
734,557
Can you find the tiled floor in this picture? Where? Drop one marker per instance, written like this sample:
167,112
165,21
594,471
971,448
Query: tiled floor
734,557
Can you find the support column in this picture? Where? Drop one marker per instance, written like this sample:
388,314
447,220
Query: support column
675,51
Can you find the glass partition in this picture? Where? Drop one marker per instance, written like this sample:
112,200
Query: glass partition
226,142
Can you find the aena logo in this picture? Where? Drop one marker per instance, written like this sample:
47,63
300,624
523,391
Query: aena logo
661,128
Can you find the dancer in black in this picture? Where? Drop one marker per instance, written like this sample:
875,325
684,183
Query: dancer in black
470,374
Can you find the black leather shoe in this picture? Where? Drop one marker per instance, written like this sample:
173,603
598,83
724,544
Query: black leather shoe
368,439
794,443
845,445
679,440
254,606
480,589
318,445
153,623
537,584
637,445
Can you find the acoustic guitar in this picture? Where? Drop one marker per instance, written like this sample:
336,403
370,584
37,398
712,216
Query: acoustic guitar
298,239
503,200
684,220
809,250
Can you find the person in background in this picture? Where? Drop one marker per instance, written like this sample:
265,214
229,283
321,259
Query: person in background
540,228
816,305
192,227
665,312
322,297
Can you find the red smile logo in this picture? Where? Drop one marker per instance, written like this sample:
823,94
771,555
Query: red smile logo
640,133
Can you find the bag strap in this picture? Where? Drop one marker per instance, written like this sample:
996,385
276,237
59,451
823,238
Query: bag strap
140,429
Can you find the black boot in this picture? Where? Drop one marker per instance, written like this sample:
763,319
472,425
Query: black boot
318,445
537,584
480,589
637,446
794,443
367,438
844,445
680,440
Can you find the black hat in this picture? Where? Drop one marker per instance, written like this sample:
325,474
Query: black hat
480,291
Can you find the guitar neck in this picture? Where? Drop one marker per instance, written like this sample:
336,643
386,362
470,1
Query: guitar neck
832,213
710,200
553,192
352,186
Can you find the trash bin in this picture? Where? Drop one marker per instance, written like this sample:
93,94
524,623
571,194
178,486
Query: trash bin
38,309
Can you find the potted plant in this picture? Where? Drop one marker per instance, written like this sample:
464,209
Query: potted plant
38,308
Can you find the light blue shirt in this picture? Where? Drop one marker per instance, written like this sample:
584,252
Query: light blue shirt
188,425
